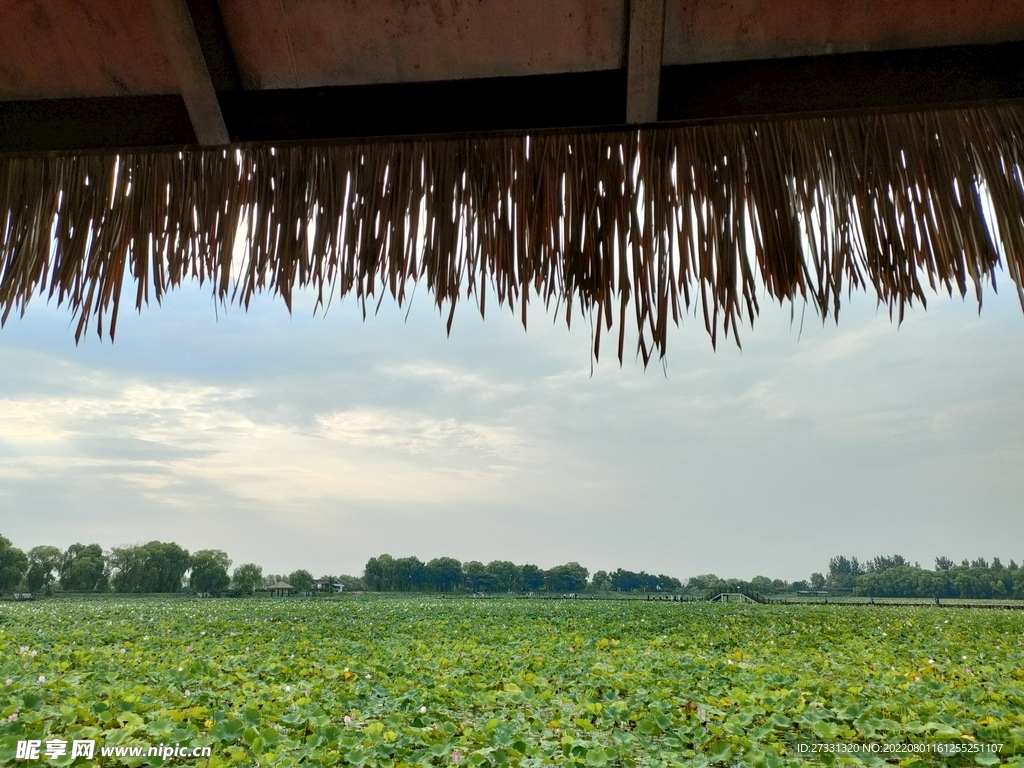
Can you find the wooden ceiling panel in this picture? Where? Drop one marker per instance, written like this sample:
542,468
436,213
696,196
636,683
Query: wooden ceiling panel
76,48
314,43
704,31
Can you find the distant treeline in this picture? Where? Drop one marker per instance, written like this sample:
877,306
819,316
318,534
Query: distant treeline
882,576
166,567
144,568
894,576
446,574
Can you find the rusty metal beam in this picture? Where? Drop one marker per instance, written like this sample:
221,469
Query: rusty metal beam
186,56
645,45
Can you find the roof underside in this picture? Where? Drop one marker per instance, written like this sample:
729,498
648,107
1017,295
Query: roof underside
78,74
676,153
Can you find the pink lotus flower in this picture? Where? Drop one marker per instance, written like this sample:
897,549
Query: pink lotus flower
456,756
12,718
308,691
188,648
348,720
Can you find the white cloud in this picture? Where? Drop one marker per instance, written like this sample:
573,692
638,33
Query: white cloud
452,379
165,440
412,433
271,437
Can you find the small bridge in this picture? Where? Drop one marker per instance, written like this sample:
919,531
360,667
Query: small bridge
735,597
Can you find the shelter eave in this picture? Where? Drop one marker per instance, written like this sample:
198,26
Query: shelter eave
908,79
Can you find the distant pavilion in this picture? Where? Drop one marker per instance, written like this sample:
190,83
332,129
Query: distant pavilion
280,589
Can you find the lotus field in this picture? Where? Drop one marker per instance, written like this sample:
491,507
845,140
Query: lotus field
420,681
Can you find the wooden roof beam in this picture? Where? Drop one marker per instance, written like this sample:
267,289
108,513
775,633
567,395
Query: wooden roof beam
928,78
195,84
644,52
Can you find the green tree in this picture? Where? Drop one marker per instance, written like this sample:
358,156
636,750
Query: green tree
883,563
352,583
533,578
706,582
154,567
506,576
83,568
842,571
1018,583
762,585
443,574
601,582
379,573
209,571
410,574
302,580
476,578
630,581
13,564
669,583
43,565
817,581
388,574
571,577
248,577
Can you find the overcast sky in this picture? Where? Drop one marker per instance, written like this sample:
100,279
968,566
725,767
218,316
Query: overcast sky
318,442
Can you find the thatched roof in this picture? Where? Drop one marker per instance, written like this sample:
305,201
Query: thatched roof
636,226
626,166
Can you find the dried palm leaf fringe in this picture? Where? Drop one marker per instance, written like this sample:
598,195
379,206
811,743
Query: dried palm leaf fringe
630,227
